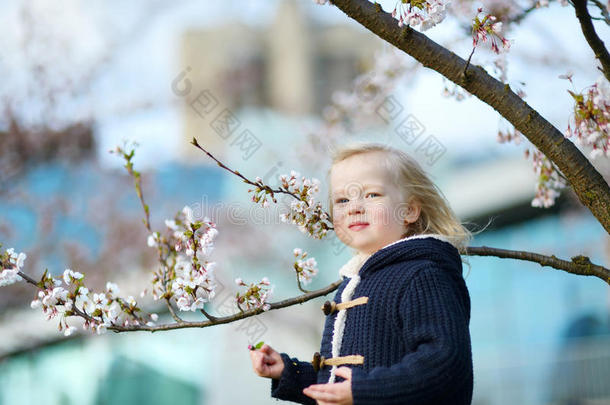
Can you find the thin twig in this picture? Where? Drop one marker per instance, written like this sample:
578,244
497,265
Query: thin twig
299,285
172,312
603,10
588,30
468,62
248,181
237,173
210,317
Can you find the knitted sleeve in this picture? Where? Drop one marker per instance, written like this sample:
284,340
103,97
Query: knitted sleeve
434,320
296,376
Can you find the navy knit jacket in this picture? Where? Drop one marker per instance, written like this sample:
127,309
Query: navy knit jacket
413,332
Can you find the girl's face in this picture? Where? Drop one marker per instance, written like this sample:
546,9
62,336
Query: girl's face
368,211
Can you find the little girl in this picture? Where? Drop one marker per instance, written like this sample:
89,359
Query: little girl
397,331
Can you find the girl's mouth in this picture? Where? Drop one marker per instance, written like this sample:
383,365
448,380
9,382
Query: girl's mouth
358,226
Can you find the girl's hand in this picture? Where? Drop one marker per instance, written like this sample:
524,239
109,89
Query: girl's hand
266,362
335,394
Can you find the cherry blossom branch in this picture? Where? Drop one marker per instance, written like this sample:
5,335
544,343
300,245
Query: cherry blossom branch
136,179
588,30
588,184
237,173
172,311
580,265
83,314
305,212
128,156
299,284
235,317
508,19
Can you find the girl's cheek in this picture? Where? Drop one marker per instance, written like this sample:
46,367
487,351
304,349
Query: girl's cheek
381,216
338,216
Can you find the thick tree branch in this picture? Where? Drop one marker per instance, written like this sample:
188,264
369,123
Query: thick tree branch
580,265
587,183
588,30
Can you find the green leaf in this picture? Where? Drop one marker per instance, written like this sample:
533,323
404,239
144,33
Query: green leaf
577,97
259,344
40,284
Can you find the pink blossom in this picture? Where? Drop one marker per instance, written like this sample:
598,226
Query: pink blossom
306,268
424,14
592,118
488,25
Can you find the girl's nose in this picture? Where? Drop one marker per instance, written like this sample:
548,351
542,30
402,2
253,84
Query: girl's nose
356,206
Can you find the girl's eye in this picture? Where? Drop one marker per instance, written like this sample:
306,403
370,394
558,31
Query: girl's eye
374,194
340,200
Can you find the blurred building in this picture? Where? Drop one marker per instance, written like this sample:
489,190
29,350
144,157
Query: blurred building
292,66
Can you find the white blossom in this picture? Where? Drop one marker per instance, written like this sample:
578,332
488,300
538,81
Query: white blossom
430,14
306,268
188,215
9,276
101,328
70,276
69,330
171,224
112,290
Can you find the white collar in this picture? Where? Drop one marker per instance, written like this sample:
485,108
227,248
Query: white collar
353,265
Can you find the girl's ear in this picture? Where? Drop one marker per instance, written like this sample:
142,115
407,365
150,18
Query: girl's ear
412,213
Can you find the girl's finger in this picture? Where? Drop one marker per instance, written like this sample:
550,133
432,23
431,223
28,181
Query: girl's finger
321,394
344,372
260,364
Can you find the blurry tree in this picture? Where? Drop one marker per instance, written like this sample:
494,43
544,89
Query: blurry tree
49,110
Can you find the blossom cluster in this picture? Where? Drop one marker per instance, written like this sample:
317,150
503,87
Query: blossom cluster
548,181
455,91
306,268
488,26
186,275
261,193
512,135
592,118
11,264
99,310
256,296
424,14
306,212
